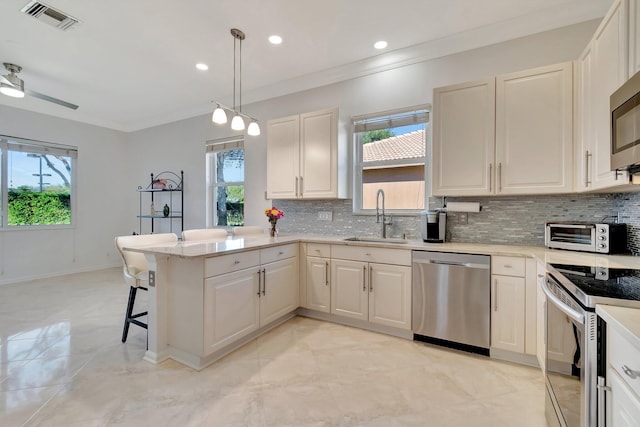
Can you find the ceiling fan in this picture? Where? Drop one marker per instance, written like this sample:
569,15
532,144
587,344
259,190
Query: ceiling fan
12,85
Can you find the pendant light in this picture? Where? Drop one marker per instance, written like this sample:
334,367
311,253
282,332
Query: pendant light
220,112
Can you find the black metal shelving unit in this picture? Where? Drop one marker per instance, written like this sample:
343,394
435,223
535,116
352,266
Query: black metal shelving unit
170,194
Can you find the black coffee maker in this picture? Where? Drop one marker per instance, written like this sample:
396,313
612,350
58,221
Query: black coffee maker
433,225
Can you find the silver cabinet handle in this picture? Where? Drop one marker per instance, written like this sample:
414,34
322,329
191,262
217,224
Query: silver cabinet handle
326,273
301,190
236,262
495,294
259,283
499,177
264,282
364,278
296,186
490,180
280,253
507,266
630,372
370,279
587,157
540,276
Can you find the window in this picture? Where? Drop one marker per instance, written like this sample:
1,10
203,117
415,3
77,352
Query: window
225,182
390,154
38,184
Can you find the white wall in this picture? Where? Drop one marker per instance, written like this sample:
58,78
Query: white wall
181,144
102,176
112,164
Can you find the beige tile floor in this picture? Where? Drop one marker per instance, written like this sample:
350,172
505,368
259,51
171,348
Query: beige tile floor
62,364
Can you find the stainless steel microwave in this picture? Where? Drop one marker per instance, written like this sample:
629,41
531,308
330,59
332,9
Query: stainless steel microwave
625,126
586,237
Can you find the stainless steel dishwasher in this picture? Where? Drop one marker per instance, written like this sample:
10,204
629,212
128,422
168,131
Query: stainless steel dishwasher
452,300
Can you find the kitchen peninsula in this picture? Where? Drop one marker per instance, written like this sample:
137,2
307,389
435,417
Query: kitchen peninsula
208,298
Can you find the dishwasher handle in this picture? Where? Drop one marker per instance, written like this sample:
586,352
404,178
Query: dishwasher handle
453,263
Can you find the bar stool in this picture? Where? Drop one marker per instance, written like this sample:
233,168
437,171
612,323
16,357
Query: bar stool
136,270
204,234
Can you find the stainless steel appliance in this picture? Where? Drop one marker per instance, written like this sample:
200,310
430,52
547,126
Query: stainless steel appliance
452,300
586,236
433,225
575,356
625,125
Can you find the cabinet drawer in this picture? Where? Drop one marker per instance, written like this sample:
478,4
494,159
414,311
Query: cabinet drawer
278,252
623,356
319,250
363,253
233,262
508,266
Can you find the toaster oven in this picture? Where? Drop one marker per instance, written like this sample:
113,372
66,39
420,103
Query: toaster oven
586,237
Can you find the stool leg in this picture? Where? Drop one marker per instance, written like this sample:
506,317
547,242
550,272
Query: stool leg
127,318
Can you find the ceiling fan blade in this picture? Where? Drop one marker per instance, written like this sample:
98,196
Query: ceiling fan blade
50,99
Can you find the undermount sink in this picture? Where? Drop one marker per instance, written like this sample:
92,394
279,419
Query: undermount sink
375,240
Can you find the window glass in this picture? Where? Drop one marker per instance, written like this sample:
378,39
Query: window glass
38,182
390,155
227,185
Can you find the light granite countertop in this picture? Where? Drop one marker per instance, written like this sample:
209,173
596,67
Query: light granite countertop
625,320
237,244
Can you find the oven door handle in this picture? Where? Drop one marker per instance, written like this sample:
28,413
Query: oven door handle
578,317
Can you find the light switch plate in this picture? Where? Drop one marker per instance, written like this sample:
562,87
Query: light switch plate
325,216
463,218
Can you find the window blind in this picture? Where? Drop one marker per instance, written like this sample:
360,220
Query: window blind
224,144
38,147
391,119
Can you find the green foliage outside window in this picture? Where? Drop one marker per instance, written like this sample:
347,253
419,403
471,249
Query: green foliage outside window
28,207
376,135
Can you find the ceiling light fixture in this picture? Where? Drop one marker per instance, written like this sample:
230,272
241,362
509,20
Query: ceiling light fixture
202,67
380,45
13,85
220,113
274,39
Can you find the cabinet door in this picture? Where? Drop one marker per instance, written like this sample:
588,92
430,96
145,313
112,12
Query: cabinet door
390,295
318,288
283,157
634,37
279,289
610,71
507,313
231,308
534,131
623,405
349,289
318,154
464,139
585,141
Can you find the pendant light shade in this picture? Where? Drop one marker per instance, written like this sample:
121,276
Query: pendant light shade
253,129
220,113
237,123
219,116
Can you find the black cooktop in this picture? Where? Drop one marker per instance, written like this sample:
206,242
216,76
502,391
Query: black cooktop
602,282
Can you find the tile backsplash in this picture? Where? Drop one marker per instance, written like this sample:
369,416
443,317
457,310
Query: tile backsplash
515,220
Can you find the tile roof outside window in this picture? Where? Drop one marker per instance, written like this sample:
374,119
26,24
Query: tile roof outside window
407,146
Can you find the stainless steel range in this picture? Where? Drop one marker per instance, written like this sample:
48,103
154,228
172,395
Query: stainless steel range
575,339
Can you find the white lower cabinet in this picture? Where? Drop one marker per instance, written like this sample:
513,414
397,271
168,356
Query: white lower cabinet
231,307
378,293
623,405
318,287
508,303
240,302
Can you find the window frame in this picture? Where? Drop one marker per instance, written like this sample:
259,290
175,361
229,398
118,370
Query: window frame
39,146
359,167
213,147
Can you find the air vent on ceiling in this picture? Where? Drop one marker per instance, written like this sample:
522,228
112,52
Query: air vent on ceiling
49,15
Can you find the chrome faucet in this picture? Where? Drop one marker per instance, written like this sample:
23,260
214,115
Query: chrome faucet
385,220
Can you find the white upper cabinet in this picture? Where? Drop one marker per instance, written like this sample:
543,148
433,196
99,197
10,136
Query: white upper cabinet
507,135
603,67
303,157
534,135
464,138
634,37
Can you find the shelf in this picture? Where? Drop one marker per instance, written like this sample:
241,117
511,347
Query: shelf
162,198
157,190
159,216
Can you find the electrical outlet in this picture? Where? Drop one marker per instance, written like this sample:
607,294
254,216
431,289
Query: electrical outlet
463,218
325,216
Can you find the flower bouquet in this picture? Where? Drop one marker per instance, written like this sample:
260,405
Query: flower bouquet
273,215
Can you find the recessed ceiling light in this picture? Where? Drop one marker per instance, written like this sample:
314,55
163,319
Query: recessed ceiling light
380,45
202,67
275,39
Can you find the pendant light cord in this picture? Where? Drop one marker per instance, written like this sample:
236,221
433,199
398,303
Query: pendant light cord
234,72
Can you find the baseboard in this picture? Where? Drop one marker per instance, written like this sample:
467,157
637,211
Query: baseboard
401,333
510,356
